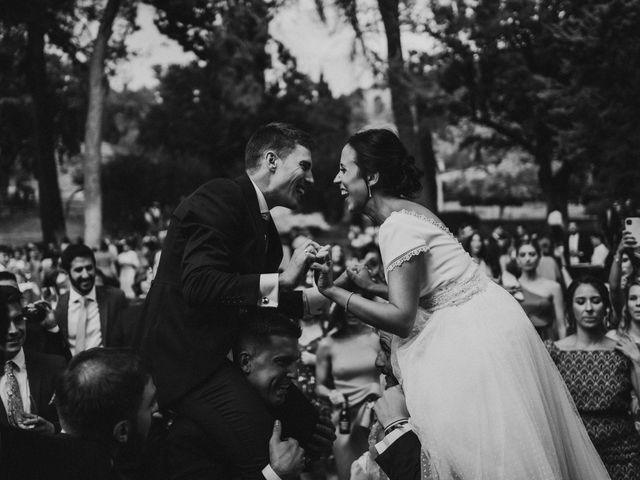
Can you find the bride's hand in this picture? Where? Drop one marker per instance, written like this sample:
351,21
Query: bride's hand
323,273
360,275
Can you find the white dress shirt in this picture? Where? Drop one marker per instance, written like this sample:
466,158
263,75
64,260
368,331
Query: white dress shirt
314,301
599,255
386,442
23,383
574,248
93,337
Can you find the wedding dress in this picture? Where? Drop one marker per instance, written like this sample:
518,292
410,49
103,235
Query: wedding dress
485,398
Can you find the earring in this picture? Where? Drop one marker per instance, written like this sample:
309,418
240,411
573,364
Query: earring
366,182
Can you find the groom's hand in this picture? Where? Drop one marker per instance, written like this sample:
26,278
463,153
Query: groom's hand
286,457
297,267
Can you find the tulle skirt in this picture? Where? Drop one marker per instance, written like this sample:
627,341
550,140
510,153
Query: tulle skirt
486,399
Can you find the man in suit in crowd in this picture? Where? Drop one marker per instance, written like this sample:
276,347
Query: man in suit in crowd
267,354
105,400
27,380
578,245
220,257
88,315
398,452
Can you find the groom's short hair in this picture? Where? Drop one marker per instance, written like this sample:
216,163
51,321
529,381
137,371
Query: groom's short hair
282,138
260,325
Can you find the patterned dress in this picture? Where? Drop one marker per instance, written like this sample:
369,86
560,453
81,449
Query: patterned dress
599,382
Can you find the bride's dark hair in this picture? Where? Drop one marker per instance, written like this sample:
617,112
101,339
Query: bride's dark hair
380,150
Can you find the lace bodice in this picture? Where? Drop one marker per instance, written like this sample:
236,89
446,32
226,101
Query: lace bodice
448,275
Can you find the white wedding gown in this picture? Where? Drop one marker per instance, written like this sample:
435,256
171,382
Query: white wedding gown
484,396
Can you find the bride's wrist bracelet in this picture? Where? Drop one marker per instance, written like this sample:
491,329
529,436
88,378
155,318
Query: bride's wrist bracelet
395,425
346,305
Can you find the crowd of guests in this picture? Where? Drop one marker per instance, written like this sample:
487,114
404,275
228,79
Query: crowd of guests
65,302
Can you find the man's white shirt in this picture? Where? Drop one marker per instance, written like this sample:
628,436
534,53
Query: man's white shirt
314,301
93,336
23,383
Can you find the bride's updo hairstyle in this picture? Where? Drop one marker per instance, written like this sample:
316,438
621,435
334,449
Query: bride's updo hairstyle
381,151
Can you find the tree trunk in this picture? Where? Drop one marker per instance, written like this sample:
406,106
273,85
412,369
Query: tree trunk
93,129
50,203
555,186
419,144
429,164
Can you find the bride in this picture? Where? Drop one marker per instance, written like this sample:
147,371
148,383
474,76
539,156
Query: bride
484,396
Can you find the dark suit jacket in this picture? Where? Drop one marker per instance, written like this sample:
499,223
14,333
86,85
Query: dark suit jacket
584,246
401,460
111,303
25,455
217,246
191,455
42,373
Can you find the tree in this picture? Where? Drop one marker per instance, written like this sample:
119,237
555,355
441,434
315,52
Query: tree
39,19
414,130
93,129
539,74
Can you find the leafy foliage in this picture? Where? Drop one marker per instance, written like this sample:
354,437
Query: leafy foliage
558,78
209,108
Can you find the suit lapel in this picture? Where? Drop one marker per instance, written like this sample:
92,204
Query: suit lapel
35,382
3,415
62,310
259,225
274,251
103,310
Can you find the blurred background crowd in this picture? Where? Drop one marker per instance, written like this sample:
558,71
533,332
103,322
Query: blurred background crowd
542,266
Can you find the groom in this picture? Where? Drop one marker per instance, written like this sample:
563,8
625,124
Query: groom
220,259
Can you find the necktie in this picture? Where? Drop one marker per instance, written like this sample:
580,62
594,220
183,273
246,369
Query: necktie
15,410
81,331
266,217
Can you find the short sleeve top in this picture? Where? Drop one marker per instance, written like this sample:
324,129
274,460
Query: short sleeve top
405,234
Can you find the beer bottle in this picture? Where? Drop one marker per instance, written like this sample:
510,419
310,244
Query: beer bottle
344,424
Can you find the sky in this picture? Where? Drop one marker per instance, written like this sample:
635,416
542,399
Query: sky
320,48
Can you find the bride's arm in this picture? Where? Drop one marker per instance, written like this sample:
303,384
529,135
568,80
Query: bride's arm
397,316
361,277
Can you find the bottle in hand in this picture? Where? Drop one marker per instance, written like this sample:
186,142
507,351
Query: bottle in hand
344,424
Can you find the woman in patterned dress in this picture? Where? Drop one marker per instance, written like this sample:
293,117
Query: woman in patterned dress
601,374
485,399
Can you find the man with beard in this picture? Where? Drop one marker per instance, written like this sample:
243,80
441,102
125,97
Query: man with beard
88,315
220,258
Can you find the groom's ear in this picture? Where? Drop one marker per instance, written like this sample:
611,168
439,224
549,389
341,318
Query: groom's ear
245,362
373,178
272,161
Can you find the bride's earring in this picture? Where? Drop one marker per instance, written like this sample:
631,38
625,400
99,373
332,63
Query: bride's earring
366,182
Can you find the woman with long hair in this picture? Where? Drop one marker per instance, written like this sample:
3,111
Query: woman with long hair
542,300
484,255
346,376
484,396
601,375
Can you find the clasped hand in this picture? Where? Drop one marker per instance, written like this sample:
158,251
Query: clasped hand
306,255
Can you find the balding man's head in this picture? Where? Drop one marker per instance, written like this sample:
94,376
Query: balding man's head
107,395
